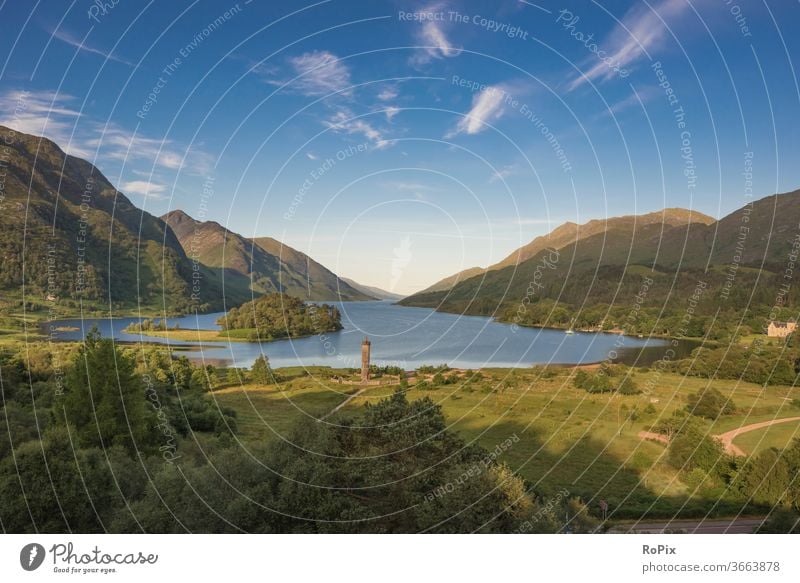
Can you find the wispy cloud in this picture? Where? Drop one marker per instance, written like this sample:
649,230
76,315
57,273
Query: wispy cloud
391,111
317,73
433,39
119,144
641,30
345,121
50,114
144,188
405,186
487,105
321,73
42,113
638,96
67,38
501,174
388,93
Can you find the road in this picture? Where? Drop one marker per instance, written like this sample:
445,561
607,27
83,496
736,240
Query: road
707,526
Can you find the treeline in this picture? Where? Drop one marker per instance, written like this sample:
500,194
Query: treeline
279,315
148,325
635,299
760,364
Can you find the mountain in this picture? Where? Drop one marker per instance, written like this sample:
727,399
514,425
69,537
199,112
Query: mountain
375,292
66,233
260,265
569,233
606,262
448,282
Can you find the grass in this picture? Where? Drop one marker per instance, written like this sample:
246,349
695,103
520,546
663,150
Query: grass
762,339
567,438
779,436
191,335
269,412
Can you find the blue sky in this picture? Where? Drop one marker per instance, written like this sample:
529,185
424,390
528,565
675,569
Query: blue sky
399,142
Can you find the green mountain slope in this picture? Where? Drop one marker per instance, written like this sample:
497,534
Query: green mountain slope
647,225
261,265
66,233
612,265
375,292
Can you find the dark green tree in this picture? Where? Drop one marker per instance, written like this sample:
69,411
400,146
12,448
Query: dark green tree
261,372
104,399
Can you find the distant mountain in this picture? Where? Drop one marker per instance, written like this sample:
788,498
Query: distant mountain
260,265
375,292
570,233
66,233
602,261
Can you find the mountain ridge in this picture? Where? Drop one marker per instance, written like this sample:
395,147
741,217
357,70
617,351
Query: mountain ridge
570,232
259,265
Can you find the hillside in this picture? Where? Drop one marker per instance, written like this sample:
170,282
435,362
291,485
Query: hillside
569,233
603,272
66,233
375,292
261,265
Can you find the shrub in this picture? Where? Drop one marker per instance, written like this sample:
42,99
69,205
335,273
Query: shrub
709,403
628,386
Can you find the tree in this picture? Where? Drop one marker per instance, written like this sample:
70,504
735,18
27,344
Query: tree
709,403
627,386
104,399
261,372
233,377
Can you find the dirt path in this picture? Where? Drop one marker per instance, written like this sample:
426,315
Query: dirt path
725,438
342,404
728,437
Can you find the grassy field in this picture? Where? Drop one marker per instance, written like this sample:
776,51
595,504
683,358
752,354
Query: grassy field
568,438
190,335
779,436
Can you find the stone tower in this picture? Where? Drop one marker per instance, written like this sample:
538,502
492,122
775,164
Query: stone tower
365,348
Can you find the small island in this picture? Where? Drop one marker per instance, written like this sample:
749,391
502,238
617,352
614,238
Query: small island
277,315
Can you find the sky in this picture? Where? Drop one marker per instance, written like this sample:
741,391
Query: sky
399,142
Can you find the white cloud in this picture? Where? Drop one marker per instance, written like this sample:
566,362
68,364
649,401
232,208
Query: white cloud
144,188
48,114
633,100
403,185
487,105
641,30
318,73
501,174
67,38
344,121
391,111
116,143
388,93
312,156
43,113
433,40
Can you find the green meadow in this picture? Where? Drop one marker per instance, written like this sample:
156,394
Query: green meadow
588,444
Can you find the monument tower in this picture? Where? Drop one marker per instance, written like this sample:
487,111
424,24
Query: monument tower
365,348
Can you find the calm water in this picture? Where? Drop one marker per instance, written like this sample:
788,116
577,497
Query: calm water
406,337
